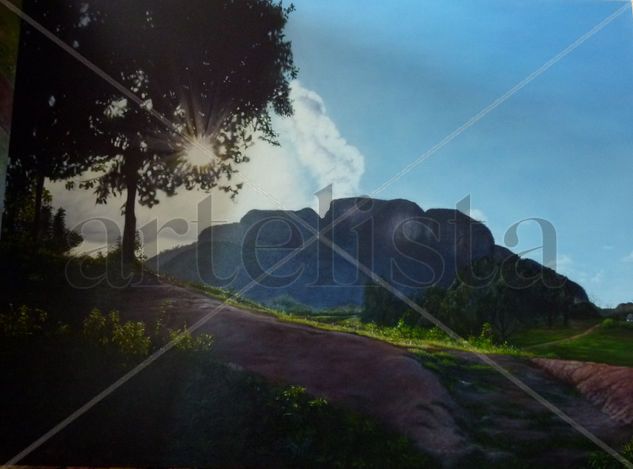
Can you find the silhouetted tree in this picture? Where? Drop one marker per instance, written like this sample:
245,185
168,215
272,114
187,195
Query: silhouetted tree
46,115
206,77
382,307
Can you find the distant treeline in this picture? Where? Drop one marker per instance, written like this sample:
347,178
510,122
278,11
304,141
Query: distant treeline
509,295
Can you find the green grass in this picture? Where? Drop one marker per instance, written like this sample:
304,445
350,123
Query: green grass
605,345
401,335
611,345
541,335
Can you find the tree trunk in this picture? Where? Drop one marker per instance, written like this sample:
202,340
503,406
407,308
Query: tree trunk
37,215
129,229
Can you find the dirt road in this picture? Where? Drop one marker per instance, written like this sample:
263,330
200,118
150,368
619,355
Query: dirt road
373,377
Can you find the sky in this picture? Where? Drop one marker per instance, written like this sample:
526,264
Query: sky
381,83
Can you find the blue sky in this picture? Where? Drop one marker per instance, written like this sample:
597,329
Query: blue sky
396,77
382,82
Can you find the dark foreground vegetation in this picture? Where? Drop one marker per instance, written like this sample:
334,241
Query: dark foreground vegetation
57,350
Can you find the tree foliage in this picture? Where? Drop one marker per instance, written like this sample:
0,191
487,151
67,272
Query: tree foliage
506,295
44,134
201,77
54,235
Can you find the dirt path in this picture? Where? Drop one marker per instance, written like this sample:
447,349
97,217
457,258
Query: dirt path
566,339
373,377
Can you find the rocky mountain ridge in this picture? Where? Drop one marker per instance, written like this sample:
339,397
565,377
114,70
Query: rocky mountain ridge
409,247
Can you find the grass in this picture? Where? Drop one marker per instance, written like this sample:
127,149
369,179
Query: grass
541,335
612,345
507,432
400,335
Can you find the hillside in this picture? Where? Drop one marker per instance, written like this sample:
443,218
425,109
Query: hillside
411,248
453,408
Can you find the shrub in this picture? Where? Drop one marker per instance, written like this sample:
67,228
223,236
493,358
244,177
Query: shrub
95,328
23,322
609,323
435,333
128,338
487,333
186,342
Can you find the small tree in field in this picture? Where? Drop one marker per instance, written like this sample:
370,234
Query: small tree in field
205,78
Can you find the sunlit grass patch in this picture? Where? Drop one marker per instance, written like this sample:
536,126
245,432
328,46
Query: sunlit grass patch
611,345
541,335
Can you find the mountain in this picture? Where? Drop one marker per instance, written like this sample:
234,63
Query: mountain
409,247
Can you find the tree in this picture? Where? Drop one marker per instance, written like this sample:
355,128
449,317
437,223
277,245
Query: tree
382,307
45,127
61,239
206,76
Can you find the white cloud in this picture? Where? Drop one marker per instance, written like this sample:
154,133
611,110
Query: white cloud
312,155
598,277
318,144
628,257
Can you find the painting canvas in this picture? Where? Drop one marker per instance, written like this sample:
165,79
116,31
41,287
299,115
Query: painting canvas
250,233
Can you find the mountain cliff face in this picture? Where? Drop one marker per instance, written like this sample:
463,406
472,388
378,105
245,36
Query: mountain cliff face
410,248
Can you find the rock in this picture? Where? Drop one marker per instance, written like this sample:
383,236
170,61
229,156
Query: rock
410,248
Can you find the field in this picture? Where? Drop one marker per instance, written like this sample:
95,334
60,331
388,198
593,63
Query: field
612,345
584,340
541,335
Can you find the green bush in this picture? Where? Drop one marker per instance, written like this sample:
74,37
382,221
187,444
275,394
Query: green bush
184,341
95,328
609,323
23,322
128,338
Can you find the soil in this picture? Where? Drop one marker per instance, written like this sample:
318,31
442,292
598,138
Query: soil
608,387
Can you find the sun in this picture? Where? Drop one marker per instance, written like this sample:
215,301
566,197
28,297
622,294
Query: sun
198,151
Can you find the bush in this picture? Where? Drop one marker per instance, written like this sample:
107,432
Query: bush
95,328
128,338
23,322
184,341
609,323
